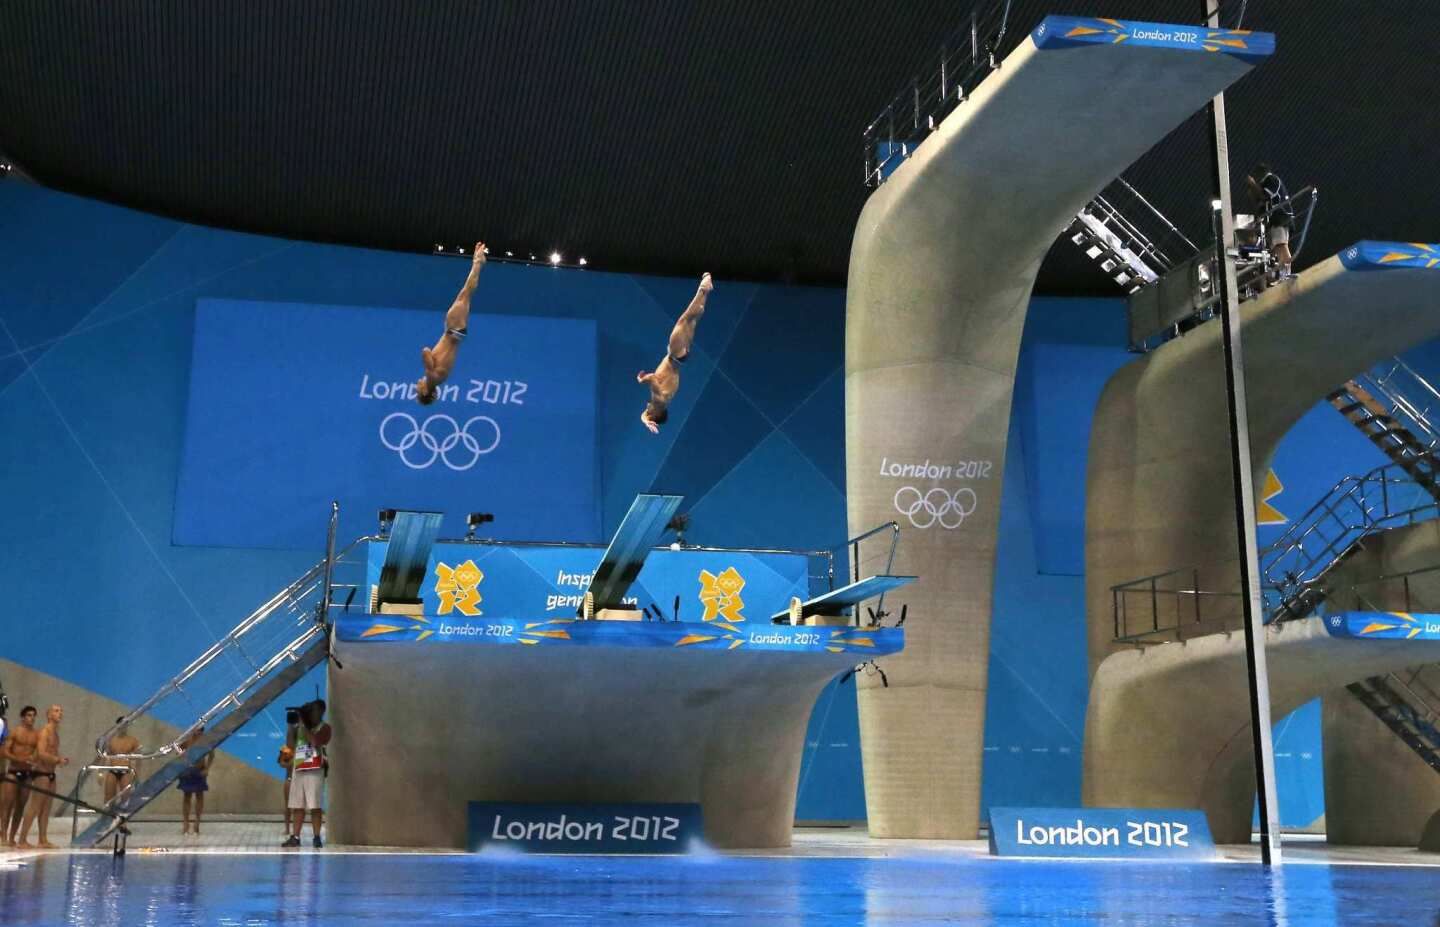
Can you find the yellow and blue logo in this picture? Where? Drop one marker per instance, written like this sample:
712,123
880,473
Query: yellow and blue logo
458,589
721,595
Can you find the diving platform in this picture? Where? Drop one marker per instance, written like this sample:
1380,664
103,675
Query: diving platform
942,266
412,534
640,530
493,689
836,603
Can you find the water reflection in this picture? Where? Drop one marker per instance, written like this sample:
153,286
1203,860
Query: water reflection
321,889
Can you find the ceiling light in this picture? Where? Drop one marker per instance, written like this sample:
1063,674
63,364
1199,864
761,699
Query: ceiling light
1108,265
554,257
1078,238
583,262
1092,252
1216,204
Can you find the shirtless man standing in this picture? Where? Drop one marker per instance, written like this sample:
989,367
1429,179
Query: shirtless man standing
14,791
665,381
121,744
47,759
439,359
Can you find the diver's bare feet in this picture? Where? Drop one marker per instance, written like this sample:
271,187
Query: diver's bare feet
479,257
22,845
46,845
706,284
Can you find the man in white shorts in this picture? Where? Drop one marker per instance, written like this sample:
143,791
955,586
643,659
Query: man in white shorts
308,741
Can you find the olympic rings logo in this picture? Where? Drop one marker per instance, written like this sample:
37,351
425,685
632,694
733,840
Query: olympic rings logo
948,508
451,435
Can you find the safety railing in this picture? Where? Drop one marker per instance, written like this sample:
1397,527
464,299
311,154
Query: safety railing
1408,397
982,39
269,639
1386,497
1293,570
880,559
1388,592
1176,604
971,53
1133,241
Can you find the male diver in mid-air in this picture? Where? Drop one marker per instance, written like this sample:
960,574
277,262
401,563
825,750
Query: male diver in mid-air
665,380
439,359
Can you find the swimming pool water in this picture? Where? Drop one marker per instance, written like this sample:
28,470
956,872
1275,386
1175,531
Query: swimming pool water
333,889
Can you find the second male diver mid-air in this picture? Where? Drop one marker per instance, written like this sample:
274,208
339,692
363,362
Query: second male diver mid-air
441,358
664,381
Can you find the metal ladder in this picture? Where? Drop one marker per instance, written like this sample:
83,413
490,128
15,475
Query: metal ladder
226,686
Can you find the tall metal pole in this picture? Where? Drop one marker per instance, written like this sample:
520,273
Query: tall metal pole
1259,679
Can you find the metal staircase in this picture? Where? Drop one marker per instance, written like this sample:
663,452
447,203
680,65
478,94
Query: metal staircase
1407,703
228,685
1295,567
1392,406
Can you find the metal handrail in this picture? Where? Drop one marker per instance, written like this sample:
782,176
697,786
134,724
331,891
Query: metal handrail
287,596
322,612
1381,380
971,53
854,546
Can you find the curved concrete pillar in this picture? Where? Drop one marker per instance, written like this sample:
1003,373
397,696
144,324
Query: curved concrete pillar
1158,483
1158,498
422,730
1169,726
943,262
1379,792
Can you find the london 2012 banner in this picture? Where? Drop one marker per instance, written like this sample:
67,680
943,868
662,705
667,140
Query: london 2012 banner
293,405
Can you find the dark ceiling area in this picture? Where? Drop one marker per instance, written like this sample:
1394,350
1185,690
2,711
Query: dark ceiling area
663,136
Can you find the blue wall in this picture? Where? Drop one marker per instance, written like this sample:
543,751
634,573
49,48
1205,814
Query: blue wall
96,323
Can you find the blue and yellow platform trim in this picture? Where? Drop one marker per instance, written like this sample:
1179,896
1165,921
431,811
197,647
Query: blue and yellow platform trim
1391,255
687,635
1384,626
1075,31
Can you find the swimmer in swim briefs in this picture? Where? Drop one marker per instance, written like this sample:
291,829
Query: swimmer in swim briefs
439,359
664,382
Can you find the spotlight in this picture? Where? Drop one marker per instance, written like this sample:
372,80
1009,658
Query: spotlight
583,262
1108,265
1092,252
509,253
554,257
1078,238
1122,278
1216,204
439,249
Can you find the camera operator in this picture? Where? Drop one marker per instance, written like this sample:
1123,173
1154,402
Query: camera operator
308,741
286,761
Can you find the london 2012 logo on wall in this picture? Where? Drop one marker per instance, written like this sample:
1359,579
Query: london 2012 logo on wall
926,506
945,507
420,444
721,595
457,588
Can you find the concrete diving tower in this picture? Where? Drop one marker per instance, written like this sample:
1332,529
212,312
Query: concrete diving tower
1158,498
479,685
1169,726
941,270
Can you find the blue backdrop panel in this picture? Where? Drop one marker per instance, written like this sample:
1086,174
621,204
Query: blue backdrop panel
535,583
294,405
